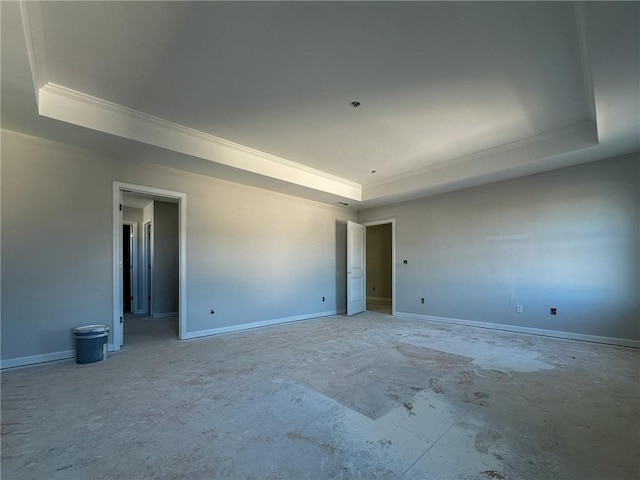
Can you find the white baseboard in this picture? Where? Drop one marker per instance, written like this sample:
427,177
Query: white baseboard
46,357
32,359
622,342
50,357
262,323
158,316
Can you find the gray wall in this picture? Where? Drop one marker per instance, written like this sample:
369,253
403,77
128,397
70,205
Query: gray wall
568,239
252,255
130,214
379,261
165,268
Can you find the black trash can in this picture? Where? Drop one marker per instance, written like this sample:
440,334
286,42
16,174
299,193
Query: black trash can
91,343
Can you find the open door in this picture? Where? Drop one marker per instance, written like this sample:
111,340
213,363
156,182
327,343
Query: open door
356,264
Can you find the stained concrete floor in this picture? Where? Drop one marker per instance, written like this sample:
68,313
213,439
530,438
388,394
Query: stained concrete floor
366,397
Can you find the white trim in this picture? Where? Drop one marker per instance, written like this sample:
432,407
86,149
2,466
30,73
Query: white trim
262,323
151,259
500,152
116,326
182,301
158,316
33,359
32,24
587,72
392,221
62,103
43,358
146,305
622,342
118,188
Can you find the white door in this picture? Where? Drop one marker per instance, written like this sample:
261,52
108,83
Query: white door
356,264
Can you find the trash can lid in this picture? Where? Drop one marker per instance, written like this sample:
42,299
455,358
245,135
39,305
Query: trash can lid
91,329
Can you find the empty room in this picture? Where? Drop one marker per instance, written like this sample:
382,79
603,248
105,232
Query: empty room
320,240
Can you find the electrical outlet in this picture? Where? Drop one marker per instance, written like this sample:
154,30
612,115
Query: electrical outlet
323,299
518,308
553,311
422,300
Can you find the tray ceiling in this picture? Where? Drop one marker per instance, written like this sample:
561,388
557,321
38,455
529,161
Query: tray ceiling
451,94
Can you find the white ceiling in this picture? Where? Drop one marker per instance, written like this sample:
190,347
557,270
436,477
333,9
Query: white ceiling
452,94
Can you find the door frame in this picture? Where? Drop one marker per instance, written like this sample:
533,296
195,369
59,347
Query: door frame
135,303
117,315
392,221
147,265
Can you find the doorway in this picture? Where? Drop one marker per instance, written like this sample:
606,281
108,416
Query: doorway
176,202
379,252
129,270
371,269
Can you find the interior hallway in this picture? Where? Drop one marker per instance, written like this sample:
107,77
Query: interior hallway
141,329
366,397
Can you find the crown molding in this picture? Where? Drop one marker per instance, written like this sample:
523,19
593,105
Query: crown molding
71,106
544,143
33,27
62,103
510,156
515,147
67,105
585,62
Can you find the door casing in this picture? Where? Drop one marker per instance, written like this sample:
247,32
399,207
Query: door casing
116,336
392,221
147,246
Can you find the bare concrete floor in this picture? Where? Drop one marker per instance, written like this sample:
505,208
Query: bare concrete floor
366,397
